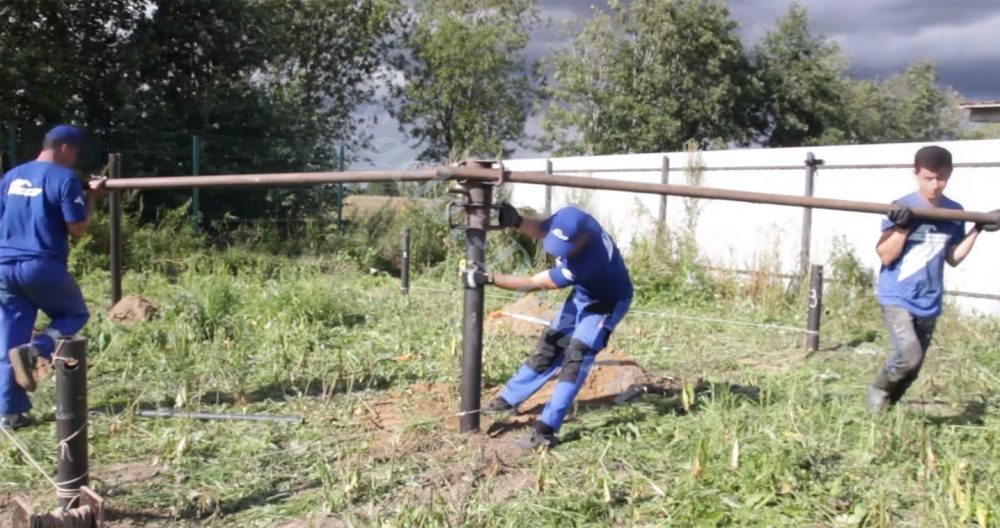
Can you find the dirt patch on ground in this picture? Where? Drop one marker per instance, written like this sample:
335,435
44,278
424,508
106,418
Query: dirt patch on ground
777,361
400,417
114,477
132,309
316,522
513,319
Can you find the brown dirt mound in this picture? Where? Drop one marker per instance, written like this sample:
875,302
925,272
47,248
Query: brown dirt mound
612,374
502,322
425,405
132,309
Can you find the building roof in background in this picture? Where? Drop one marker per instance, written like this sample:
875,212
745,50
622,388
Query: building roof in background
980,104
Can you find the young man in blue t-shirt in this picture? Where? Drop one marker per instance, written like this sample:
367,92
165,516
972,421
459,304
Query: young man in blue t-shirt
42,205
911,282
588,260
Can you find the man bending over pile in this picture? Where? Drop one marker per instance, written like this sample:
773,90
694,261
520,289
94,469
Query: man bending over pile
588,260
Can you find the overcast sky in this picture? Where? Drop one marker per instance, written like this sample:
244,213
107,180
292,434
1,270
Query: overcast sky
880,38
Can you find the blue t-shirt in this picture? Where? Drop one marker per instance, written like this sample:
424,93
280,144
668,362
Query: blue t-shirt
915,281
37,200
598,272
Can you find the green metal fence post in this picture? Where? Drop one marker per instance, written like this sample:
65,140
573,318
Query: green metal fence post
340,190
196,193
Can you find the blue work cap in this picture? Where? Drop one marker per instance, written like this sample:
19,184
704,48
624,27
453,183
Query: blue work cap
563,231
64,135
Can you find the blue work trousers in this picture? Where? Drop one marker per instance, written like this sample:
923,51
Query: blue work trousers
27,286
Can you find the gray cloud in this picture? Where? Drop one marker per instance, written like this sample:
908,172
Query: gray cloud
879,37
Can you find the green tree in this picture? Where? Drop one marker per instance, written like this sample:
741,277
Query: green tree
292,71
269,85
651,76
927,111
467,88
62,60
982,131
872,113
806,90
274,69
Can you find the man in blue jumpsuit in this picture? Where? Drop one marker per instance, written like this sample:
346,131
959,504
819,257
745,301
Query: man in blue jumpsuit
588,260
42,206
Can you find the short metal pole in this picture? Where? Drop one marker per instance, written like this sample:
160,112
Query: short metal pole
115,230
815,307
478,214
404,272
807,213
664,178
70,367
548,189
196,192
340,190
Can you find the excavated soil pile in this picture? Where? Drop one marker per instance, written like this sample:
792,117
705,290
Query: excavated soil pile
132,309
612,374
423,405
399,416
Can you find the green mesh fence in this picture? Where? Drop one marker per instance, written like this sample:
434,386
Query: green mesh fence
180,154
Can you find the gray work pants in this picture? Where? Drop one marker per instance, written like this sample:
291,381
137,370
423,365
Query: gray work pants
910,336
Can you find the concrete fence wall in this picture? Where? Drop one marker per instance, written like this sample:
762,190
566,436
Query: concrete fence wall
744,235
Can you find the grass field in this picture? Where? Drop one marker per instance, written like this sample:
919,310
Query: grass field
777,439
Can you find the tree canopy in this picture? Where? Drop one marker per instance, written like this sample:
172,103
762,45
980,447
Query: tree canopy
466,86
641,76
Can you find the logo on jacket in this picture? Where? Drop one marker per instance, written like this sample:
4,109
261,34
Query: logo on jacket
21,187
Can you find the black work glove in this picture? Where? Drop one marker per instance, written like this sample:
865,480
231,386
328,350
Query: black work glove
475,278
901,215
509,217
990,226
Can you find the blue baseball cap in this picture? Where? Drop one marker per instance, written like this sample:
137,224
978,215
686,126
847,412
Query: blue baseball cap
563,231
64,135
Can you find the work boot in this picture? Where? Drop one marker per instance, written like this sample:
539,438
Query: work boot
532,440
15,421
499,405
878,400
23,359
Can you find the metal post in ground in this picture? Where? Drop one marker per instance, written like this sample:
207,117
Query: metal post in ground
664,178
479,198
811,166
115,230
815,307
196,192
404,272
340,190
548,189
70,365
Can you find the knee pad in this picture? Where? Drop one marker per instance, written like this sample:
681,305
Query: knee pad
573,362
547,351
